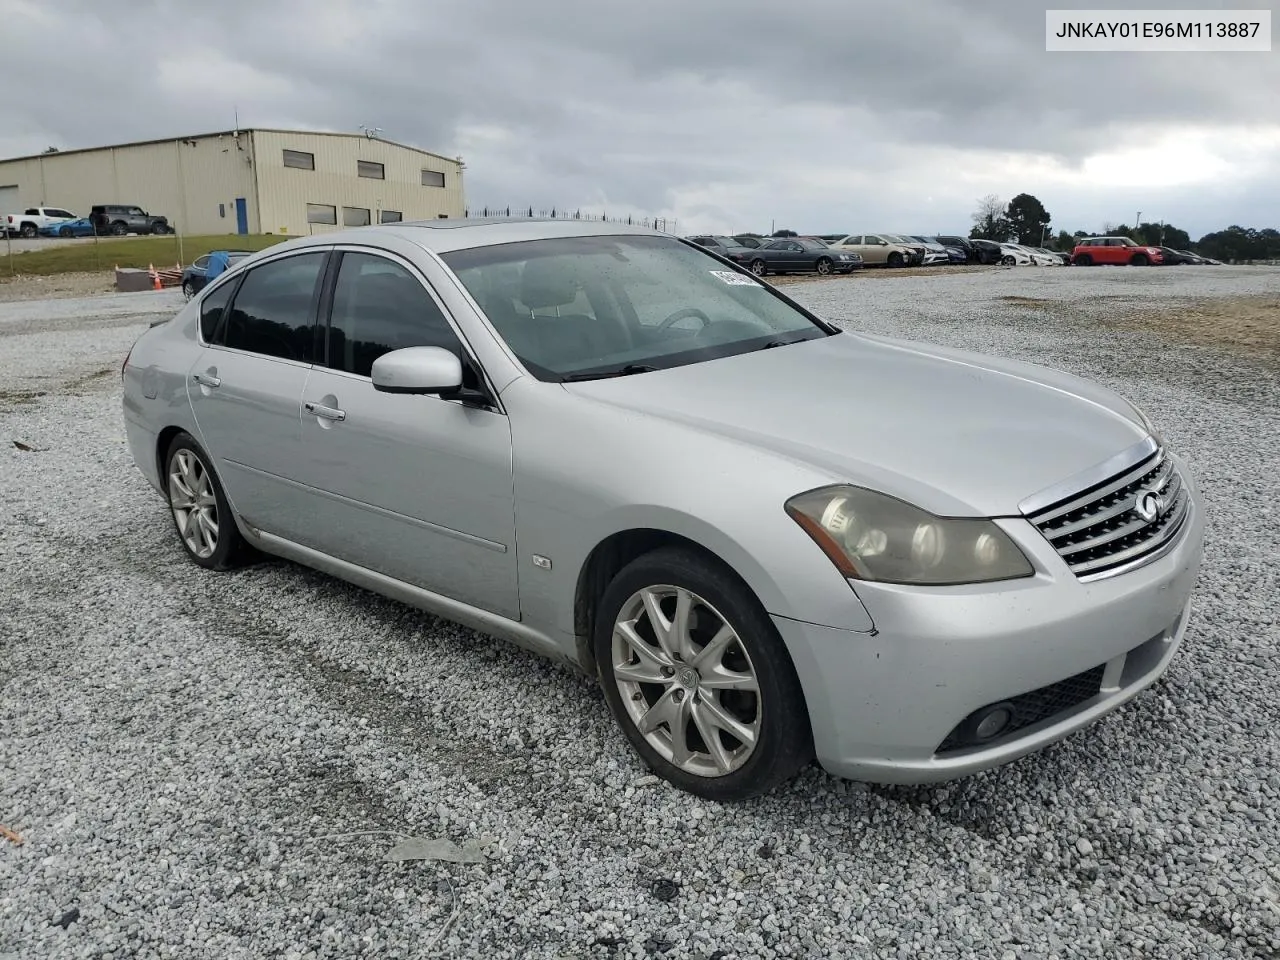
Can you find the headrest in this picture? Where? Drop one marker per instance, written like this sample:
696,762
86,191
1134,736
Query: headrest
548,282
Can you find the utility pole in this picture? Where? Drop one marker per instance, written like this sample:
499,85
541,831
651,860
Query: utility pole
1137,220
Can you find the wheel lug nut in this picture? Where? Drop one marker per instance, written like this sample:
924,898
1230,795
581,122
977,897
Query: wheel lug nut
668,672
678,696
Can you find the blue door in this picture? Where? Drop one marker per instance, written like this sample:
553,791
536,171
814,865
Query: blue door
242,216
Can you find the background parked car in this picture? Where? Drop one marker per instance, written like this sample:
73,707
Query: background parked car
1041,257
877,250
987,251
934,253
1012,255
196,276
801,255
726,247
961,243
1172,258
753,242
119,219
1194,258
1117,251
915,246
29,222
68,228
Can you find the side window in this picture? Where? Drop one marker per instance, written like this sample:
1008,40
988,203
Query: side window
211,309
272,313
379,306
201,262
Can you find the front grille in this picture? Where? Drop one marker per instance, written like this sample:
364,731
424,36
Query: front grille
1099,530
1033,707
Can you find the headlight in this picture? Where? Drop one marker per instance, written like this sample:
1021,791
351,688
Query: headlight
871,536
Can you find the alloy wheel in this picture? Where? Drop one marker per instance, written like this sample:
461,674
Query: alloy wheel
686,680
194,505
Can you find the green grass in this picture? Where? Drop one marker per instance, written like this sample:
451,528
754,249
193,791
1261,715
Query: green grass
104,253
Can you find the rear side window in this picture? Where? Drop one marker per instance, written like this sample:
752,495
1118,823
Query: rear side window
379,306
211,309
273,309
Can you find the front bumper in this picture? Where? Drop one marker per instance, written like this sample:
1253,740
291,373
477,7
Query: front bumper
881,704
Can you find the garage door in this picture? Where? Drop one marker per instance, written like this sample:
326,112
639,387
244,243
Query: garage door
9,199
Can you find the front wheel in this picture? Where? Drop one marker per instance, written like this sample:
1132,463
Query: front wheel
188,289
201,513
698,678
1009,260
895,259
823,266
1083,260
159,229
64,232
759,267
1140,260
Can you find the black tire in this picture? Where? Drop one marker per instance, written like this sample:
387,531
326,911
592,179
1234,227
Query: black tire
759,267
823,266
159,229
28,230
64,232
231,550
188,289
1140,260
118,229
1082,260
785,743
896,259
1009,260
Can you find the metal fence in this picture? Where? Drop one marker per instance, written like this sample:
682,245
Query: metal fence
561,213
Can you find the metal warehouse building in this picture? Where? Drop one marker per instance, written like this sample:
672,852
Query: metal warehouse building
245,181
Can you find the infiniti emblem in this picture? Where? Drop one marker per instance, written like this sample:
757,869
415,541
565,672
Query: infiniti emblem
1148,505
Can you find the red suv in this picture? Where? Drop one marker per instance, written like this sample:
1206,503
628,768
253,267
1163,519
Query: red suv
1116,250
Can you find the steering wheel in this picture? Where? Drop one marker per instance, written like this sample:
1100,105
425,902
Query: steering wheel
681,314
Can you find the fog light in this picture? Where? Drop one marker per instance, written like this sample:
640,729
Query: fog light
992,721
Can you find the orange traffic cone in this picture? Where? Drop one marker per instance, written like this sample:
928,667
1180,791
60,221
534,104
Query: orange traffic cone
155,278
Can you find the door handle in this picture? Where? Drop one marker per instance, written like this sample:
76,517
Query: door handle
206,380
327,413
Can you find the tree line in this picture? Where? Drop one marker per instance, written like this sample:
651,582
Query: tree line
1025,220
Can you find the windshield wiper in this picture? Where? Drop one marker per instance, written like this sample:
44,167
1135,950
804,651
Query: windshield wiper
626,371
781,343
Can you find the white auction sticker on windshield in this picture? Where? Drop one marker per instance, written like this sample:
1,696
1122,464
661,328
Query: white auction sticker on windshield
734,279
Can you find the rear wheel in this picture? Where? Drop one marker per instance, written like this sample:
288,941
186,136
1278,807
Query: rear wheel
759,267
28,230
201,514
823,266
118,229
698,678
1140,260
895,259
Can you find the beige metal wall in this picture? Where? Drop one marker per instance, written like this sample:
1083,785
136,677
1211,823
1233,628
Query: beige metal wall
284,192
184,180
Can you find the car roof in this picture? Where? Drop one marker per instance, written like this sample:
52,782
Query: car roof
444,236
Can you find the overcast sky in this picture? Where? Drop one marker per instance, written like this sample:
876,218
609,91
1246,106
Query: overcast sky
821,116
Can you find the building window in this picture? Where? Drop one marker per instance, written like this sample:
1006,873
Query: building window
432,178
370,170
299,160
355,216
322,213
390,216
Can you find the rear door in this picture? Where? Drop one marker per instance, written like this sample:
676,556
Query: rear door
246,389
415,487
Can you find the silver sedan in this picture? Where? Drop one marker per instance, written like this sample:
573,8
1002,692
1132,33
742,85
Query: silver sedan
770,539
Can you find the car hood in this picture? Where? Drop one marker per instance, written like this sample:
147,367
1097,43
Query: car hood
956,433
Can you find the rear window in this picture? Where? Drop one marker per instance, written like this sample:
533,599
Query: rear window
273,309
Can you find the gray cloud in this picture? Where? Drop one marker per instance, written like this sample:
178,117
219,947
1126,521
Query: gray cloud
823,115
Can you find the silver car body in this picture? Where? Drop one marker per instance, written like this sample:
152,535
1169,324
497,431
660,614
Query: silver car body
492,517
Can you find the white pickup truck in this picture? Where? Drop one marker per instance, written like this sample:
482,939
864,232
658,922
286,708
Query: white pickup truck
26,224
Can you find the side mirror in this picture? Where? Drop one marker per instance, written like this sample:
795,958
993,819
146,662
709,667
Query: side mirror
417,370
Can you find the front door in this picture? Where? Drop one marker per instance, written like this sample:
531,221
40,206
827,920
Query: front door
246,389
415,487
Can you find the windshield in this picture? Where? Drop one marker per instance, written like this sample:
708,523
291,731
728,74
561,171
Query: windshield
580,306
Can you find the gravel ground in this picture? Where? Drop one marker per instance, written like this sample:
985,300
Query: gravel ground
194,759
58,285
